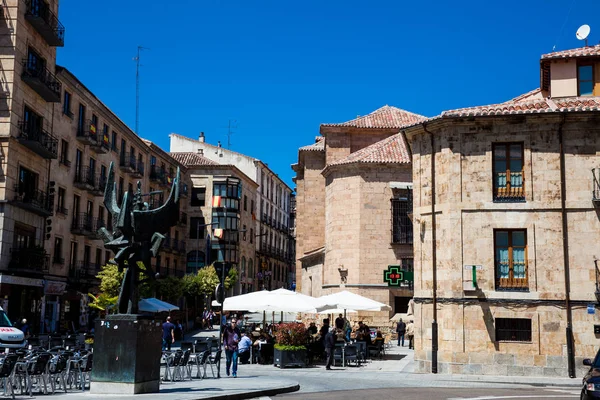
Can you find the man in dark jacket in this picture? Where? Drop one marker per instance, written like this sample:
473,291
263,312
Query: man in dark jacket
401,330
231,338
330,339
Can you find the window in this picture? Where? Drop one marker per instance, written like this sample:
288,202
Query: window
81,118
513,330
67,105
510,252
60,207
95,122
198,198
197,228
252,206
32,123
35,63
251,235
76,200
58,257
64,153
508,172
98,260
245,203
107,257
28,183
78,166
585,80
113,143
402,228
87,255
73,255
152,160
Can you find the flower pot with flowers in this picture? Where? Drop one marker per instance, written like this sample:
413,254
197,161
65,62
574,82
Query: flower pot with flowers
290,349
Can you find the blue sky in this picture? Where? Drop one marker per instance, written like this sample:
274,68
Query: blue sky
281,68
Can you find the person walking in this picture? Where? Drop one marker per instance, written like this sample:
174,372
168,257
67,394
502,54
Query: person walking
401,330
168,334
330,340
231,338
410,333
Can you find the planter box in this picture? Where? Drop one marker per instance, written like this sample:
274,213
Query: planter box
288,358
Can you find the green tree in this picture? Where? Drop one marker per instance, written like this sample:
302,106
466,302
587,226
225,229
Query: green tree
231,278
169,288
110,280
103,302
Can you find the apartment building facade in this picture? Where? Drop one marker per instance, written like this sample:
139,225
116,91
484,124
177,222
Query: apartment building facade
505,209
352,205
271,210
58,140
220,219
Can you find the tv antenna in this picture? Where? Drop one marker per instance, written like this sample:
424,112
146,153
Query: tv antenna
137,88
583,32
230,127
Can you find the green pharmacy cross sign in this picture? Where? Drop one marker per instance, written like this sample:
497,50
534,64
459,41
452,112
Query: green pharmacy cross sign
394,276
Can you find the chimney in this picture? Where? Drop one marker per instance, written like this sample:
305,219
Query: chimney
201,152
219,143
201,138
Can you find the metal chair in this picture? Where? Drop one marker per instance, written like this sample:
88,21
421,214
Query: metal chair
213,360
183,367
58,371
351,354
175,360
7,367
85,370
338,354
37,370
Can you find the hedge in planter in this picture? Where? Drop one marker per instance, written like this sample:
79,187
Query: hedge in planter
290,350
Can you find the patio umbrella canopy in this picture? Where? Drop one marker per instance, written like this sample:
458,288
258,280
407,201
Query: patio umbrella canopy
280,300
245,302
154,305
350,301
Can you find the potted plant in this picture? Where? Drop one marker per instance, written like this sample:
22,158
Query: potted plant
290,349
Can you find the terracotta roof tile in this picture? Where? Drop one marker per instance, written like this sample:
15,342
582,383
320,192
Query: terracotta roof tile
531,95
384,117
391,150
508,108
319,145
190,159
589,51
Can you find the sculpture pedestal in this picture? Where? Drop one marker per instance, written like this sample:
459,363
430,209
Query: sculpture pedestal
127,352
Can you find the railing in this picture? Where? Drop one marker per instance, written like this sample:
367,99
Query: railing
84,270
36,72
62,210
128,161
140,168
58,260
155,173
52,30
43,142
88,132
33,259
36,200
82,223
509,186
85,176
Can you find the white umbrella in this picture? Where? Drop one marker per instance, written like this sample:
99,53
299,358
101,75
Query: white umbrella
351,301
154,305
336,311
245,302
283,300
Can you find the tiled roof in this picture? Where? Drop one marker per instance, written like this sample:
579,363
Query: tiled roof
384,117
319,145
529,103
190,159
533,94
589,51
391,150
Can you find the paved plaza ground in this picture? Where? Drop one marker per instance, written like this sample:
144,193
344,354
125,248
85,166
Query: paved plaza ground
390,378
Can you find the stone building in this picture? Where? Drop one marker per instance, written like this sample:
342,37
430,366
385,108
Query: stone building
353,204
271,208
233,215
506,224
57,141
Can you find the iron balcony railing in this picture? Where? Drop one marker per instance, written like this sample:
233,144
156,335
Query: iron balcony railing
82,224
36,201
128,162
36,75
31,259
38,140
140,168
85,178
38,13
84,270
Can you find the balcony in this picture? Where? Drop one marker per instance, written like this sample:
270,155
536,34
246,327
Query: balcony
128,163
509,186
139,170
87,133
61,210
83,225
84,179
183,218
102,146
32,260
44,21
155,173
99,186
35,201
41,80
38,140
84,271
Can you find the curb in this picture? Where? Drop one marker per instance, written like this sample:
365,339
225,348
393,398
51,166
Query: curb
535,384
254,394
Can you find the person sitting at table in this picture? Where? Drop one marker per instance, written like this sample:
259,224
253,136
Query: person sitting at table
378,338
244,348
257,345
364,333
312,329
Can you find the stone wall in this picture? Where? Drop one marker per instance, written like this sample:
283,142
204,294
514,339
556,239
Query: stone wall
466,217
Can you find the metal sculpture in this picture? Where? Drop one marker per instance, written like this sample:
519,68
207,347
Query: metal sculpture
138,233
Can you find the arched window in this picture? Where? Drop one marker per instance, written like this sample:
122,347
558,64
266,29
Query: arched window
244,272
251,268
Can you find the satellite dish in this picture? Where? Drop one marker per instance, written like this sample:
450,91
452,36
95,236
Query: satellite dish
583,32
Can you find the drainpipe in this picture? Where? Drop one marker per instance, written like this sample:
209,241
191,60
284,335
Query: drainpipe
434,324
565,231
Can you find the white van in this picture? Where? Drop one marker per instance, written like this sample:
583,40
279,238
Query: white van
10,337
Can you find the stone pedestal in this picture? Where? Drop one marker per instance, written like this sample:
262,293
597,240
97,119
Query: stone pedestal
127,351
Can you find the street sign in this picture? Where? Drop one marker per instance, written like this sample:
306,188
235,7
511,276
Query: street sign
394,276
220,293
591,309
